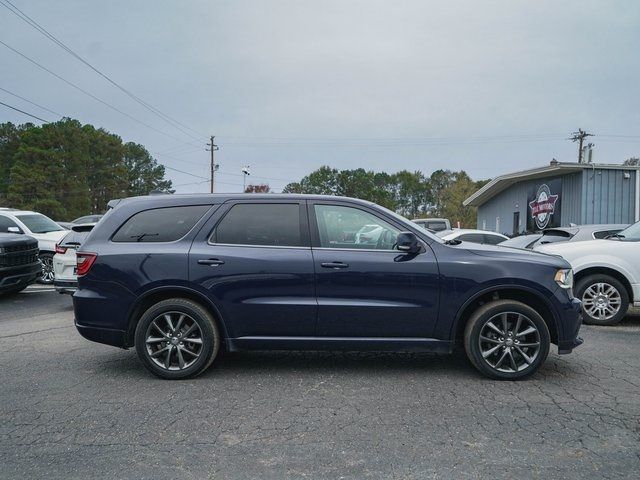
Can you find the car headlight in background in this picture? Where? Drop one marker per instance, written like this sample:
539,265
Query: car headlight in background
564,278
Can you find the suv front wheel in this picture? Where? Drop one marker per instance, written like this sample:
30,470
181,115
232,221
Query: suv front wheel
506,340
177,338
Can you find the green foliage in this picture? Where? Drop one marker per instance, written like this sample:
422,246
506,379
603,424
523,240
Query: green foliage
66,169
411,194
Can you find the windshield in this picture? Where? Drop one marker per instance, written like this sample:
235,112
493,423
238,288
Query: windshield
630,234
37,223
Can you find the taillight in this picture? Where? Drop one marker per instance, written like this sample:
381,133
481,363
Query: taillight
84,261
60,249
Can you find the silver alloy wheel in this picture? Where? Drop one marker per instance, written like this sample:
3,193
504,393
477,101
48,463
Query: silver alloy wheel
509,342
48,275
601,300
173,340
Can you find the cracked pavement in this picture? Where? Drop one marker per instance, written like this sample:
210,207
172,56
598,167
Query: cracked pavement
70,408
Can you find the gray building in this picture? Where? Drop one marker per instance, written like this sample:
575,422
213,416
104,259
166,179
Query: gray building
557,195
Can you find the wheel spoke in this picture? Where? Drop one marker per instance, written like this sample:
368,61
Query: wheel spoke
156,339
487,353
505,324
167,318
517,327
499,362
526,357
486,339
494,328
155,325
186,350
189,330
181,361
514,365
179,324
526,332
167,359
157,353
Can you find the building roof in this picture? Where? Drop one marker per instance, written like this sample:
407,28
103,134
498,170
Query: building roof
503,182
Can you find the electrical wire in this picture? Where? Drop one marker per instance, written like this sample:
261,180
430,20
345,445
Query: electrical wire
32,103
93,96
26,113
30,21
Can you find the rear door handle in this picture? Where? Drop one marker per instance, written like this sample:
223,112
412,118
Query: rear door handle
335,265
212,262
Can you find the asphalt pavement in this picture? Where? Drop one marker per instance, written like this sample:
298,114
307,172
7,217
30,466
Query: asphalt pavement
72,409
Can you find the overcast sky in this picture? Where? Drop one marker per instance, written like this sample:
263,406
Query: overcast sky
287,86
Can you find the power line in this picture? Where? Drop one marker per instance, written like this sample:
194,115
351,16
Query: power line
93,96
173,122
26,113
32,103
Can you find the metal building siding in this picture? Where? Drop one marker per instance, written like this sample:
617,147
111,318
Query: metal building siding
608,197
515,199
571,200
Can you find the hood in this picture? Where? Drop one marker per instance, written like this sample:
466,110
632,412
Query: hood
14,239
572,250
49,237
515,254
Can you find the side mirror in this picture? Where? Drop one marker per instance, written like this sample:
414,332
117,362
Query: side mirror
14,230
407,242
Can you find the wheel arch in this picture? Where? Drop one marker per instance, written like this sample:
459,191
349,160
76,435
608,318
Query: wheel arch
508,292
612,272
162,293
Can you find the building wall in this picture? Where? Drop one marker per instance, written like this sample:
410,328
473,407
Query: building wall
590,196
608,197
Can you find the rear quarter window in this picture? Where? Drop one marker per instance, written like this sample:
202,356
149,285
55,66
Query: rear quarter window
160,224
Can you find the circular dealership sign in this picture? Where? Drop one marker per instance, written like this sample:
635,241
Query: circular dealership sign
543,206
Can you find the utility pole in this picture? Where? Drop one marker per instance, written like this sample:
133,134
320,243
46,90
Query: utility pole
579,137
212,148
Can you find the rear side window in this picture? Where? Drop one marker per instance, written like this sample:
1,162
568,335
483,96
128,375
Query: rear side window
73,239
605,233
263,224
5,223
436,226
160,224
492,239
472,237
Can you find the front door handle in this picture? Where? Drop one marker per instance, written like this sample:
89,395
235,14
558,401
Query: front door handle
212,262
335,265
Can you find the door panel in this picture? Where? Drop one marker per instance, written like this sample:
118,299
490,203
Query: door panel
261,290
365,292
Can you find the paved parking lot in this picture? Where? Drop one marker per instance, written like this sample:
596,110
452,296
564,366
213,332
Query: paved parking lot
73,409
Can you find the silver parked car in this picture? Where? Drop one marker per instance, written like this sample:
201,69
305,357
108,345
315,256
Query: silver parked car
575,233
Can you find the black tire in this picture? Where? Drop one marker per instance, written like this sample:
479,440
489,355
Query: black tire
593,280
48,276
196,314
513,311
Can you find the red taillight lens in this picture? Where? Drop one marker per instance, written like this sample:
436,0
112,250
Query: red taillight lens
60,249
84,261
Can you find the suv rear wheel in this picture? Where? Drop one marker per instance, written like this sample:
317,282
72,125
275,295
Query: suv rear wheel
506,340
177,338
605,300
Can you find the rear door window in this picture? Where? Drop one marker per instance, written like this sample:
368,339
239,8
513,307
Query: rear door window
472,237
5,223
492,239
260,224
160,224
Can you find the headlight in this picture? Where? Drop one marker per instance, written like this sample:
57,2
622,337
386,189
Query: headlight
564,278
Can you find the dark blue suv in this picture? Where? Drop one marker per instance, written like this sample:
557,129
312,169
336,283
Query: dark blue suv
182,276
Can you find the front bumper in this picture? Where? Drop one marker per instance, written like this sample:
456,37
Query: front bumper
13,278
571,322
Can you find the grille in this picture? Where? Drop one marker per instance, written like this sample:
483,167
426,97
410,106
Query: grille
20,248
13,258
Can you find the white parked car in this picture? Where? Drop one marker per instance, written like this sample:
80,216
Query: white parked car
606,273
64,261
473,236
38,226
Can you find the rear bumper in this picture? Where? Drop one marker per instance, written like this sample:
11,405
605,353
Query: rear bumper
107,336
13,278
65,286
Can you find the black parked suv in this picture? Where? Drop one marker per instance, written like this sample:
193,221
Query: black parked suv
19,264
181,276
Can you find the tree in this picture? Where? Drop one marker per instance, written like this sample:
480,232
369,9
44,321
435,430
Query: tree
143,171
65,169
261,188
633,161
